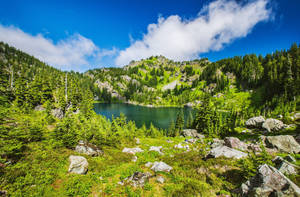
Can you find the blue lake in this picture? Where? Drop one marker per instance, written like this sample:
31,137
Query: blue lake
160,117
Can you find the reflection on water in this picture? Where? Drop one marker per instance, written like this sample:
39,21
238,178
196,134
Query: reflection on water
160,117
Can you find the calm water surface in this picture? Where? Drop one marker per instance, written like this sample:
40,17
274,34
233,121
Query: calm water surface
160,117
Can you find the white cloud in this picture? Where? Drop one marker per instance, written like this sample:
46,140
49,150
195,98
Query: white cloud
73,53
217,24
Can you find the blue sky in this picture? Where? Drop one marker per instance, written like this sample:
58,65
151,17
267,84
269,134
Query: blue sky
82,35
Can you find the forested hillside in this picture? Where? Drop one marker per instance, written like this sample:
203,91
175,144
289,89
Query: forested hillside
27,82
246,127
270,81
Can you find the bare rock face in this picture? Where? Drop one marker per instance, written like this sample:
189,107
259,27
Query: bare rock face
269,182
233,142
57,113
138,179
132,150
284,166
161,166
255,122
283,143
78,165
273,125
88,149
191,133
225,151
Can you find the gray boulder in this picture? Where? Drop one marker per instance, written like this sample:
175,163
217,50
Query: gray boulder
296,116
284,166
156,149
88,149
161,166
138,179
134,159
255,122
39,108
289,158
273,125
132,150
233,142
57,113
269,182
283,143
160,179
78,165
254,147
225,151
137,141
191,133
217,142
148,164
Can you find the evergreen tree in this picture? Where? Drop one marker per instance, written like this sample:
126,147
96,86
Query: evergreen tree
179,124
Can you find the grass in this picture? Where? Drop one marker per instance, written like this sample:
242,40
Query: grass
43,172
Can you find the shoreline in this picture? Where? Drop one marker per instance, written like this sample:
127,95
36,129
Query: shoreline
146,105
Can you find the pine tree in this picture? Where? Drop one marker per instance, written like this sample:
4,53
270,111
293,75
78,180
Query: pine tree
179,123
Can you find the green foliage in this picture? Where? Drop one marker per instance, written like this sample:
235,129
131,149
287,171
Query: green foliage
179,124
253,161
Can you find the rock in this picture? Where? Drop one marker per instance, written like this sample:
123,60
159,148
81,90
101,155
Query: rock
132,150
269,182
296,116
156,149
137,141
254,147
180,146
189,104
39,108
138,179
191,133
3,193
255,122
134,159
57,113
217,142
192,140
297,138
160,179
226,152
88,149
171,85
273,125
233,142
289,158
78,165
148,164
284,166
161,166
283,143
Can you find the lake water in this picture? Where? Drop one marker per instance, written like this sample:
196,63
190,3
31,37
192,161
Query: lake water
160,117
